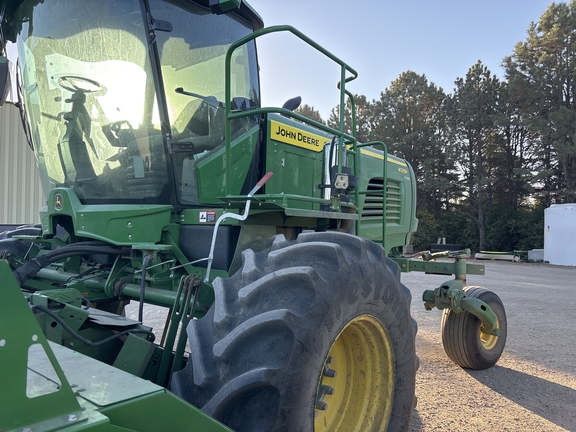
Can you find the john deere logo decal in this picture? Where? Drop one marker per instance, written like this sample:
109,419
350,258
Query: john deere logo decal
58,201
297,137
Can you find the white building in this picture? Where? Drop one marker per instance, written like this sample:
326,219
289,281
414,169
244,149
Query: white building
20,192
560,234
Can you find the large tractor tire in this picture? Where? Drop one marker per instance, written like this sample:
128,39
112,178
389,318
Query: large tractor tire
309,335
463,340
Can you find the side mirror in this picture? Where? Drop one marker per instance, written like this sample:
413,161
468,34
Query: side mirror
5,82
292,104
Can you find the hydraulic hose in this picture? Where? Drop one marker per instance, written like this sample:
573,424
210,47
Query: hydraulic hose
31,268
82,339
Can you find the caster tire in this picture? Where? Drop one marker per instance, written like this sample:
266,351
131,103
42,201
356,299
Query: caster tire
462,338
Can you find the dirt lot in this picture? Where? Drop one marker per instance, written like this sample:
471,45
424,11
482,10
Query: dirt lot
533,386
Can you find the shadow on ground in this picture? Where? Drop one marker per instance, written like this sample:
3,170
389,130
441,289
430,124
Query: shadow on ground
542,397
416,424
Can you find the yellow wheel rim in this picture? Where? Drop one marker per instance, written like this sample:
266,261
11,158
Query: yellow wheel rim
359,395
488,341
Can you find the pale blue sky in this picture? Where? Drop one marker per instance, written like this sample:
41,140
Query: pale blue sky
381,39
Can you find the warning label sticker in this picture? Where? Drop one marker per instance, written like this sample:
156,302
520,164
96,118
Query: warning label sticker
208,216
297,137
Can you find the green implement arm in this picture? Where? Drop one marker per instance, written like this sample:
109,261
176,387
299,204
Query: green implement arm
49,387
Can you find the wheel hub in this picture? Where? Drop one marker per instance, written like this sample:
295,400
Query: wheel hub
357,383
488,340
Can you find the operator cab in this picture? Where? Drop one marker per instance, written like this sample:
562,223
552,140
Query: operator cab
124,98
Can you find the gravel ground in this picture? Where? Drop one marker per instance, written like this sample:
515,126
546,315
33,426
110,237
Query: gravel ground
533,386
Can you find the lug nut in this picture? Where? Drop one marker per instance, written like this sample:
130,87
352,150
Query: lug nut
331,373
327,390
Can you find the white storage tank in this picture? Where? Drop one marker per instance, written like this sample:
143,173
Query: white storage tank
560,234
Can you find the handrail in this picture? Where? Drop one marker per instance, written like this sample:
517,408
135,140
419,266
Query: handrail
344,68
344,138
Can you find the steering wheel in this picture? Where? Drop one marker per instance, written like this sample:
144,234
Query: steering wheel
75,83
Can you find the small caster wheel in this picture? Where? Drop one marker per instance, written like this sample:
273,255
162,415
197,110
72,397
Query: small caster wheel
463,340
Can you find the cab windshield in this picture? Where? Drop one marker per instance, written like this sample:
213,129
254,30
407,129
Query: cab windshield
95,99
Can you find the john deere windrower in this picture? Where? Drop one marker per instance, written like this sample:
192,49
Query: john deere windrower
274,243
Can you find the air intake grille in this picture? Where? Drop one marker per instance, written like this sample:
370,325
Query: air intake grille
373,204
393,203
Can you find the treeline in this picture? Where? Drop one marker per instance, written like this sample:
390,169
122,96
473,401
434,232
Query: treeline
490,157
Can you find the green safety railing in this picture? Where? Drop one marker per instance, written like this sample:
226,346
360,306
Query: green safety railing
357,168
345,140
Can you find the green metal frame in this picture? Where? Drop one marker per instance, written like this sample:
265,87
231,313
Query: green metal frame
343,140
357,163
230,115
451,294
45,386
15,343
